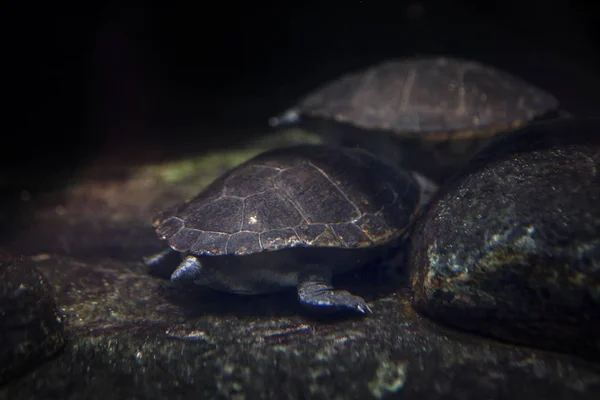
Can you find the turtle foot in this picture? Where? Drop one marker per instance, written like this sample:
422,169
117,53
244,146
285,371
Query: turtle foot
315,291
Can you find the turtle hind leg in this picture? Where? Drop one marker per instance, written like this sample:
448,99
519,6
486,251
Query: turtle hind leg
316,291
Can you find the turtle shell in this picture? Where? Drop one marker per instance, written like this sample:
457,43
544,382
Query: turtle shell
308,195
433,98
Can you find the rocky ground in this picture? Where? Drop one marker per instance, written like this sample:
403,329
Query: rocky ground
120,332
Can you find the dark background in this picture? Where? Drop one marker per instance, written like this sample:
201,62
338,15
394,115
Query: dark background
125,77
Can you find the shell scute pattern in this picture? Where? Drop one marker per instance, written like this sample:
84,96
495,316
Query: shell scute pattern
312,197
429,95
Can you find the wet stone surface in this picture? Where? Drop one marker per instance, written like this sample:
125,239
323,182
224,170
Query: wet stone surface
511,247
31,328
133,335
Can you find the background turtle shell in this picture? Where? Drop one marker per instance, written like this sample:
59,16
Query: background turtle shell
310,195
429,97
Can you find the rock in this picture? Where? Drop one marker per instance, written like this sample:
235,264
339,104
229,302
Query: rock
511,247
136,336
31,329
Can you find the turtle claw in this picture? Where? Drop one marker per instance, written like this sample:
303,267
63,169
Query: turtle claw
352,302
364,308
316,291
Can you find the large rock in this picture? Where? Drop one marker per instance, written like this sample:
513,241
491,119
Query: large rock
31,329
511,247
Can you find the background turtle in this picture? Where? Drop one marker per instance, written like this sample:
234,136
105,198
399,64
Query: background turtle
428,113
292,216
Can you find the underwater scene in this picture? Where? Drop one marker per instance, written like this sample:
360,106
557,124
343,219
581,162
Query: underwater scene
380,200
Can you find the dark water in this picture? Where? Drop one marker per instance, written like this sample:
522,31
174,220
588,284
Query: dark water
124,75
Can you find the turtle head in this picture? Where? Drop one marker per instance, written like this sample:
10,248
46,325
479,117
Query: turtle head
288,117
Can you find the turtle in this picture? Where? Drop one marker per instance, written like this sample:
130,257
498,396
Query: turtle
290,217
429,113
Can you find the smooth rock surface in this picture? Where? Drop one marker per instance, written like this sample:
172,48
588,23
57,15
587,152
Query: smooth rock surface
511,247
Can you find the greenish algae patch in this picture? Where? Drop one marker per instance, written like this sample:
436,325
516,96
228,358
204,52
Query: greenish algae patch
209,166
198,172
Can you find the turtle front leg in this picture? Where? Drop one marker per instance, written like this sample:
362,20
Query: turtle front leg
315,290
188,271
